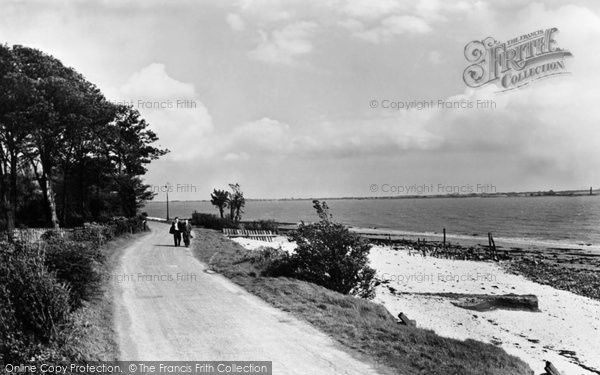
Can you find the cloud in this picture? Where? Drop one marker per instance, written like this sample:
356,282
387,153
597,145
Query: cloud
368,8
352,25
263,134
266,11
394,26
381,21
153,82
236,22
269,139
172,108
281,46
438,10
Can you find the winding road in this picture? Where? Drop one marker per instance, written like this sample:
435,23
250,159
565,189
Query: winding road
169,307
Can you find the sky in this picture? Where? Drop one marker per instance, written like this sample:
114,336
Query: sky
294,98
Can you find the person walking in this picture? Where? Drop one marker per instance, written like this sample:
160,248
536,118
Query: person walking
187,233
181,226
175,230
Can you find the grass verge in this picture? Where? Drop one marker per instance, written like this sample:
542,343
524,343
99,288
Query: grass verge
360,325
94,322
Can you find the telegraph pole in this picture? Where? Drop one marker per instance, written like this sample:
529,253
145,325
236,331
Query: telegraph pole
167,190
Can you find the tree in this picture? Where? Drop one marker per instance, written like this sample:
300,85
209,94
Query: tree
18,109
57,131
322,210
64,133
236,202
129,150
220,199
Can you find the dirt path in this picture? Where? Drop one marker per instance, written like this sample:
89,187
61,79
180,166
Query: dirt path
169,308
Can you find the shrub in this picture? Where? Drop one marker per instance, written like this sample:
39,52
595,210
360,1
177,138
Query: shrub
123,225
34,304
93,233
51,234
270,225
78,265
328,254
211,221
101,233
13,340
43,286
272,262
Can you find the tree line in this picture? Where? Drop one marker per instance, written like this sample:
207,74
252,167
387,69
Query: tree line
67,154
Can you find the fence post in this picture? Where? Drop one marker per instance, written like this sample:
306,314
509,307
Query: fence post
444,241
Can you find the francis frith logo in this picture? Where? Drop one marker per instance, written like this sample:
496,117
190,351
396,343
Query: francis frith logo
516,62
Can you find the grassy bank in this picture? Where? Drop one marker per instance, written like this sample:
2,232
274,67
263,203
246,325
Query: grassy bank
96,333
362,326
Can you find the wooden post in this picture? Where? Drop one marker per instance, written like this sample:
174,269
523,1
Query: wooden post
551,370
492,246
444,242
405,321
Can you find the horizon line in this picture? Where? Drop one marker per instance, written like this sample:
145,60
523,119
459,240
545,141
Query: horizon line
410,196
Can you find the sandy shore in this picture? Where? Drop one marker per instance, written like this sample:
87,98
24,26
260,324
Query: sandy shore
566,330
279,242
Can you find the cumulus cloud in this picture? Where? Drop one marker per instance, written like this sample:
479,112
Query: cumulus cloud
172,108
268,138
282,46
153,81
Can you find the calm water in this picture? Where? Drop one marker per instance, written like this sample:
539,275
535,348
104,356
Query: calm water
566,220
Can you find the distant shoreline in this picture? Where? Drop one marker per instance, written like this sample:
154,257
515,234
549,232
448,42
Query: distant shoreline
526,194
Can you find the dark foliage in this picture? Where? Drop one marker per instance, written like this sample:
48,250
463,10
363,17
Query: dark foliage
270,225
33,302
220,199
272,262
328,254
77,265
67,155
43,286
211,221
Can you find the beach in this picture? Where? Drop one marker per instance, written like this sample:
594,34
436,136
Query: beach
565,330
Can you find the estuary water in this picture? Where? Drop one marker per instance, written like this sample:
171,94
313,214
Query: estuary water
556,221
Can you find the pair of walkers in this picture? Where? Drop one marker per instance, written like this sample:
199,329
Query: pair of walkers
181,229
